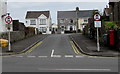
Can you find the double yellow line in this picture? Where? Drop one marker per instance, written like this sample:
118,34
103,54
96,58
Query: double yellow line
28,51
31,49
78,52
74,48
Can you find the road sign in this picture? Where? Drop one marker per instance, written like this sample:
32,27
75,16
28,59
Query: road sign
8,20
8,26
97,23
97,17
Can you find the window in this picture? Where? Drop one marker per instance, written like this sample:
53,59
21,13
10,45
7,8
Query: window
85,20
42,21
26,21
5,2
32,22
71,21
62,21
43,29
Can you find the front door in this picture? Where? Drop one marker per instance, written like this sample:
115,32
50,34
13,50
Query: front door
71,28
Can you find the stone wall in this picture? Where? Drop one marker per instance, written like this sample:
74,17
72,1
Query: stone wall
15,35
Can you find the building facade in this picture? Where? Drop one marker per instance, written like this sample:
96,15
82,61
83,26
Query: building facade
114,6
3,13
67,20
73,20
40,20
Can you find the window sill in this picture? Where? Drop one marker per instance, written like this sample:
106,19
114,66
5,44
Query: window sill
32,24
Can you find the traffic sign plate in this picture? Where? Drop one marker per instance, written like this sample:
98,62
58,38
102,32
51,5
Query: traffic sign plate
8,20
97,17
97,23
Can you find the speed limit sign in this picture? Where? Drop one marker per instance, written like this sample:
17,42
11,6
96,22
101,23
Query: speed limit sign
97,17
8,20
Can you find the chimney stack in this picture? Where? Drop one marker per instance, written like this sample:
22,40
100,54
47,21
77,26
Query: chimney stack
77,8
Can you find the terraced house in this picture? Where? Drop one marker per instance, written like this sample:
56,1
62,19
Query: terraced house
73,20
40,20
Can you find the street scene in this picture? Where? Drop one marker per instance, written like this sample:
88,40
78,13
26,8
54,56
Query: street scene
43,37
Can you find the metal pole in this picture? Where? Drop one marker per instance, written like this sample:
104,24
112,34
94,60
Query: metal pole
98,45
76,21
9,48
77,24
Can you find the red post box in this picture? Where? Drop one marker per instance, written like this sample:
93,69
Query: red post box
112,37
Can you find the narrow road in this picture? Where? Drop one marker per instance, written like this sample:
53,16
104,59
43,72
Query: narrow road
57,53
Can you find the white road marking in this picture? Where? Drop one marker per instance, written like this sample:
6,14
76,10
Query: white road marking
57,56
107,70
84,69
31,56
68,56
52,53
19,56
42,56
79,56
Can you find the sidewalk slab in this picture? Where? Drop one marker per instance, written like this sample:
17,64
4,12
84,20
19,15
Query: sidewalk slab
89,47
23,45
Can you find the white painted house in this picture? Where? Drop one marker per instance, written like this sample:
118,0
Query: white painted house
3,12
40,20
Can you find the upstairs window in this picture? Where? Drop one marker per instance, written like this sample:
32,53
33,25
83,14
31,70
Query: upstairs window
85,20
71,21
42,21
32,22
62,21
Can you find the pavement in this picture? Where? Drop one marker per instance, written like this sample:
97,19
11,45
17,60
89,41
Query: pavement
22,45
89,47
57,53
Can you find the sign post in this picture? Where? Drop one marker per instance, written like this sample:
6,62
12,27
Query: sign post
8,20
97,23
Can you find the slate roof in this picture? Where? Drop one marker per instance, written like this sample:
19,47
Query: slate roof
85,13
36,14
73,14
114,0
66,14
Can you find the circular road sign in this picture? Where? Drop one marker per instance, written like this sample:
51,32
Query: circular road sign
97,17
8,20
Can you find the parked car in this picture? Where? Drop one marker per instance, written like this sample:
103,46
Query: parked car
3,43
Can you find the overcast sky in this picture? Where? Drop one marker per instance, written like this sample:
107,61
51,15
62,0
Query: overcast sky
18,9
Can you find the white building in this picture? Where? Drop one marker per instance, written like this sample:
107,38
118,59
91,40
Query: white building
40,20
82,22
3,11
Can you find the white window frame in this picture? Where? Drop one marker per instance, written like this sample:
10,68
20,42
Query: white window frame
42,21
32,22
61,20
85,20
